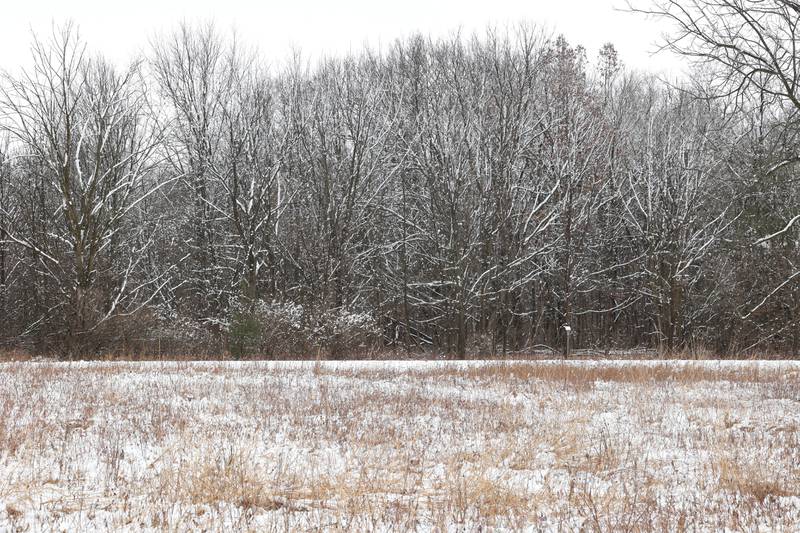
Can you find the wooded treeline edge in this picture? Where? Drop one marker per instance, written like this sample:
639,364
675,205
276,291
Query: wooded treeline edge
458,196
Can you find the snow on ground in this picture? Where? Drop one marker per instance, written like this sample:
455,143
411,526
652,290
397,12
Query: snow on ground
398,446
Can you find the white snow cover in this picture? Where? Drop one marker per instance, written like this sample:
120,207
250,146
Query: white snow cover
400,445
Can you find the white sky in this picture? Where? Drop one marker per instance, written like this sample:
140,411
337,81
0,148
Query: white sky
120,30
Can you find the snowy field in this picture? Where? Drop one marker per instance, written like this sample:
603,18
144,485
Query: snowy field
536,446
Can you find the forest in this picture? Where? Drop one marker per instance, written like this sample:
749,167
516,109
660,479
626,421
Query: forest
447,197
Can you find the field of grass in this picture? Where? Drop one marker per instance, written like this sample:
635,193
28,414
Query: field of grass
400,446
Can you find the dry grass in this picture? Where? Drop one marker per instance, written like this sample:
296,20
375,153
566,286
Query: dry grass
594,446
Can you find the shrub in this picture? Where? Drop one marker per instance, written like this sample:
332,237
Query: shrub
343,332
284,329
244,334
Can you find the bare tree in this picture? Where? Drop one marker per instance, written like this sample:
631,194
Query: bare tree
191,68
340,160
84,127
7,215
673,205
247,174
747,48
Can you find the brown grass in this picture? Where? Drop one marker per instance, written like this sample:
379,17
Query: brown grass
671,446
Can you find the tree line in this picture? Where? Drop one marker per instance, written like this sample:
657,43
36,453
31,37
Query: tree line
458,196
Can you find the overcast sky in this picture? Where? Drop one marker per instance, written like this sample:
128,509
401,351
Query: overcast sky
120,30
